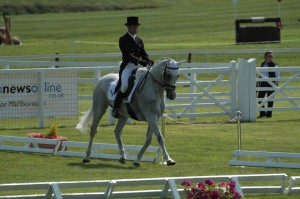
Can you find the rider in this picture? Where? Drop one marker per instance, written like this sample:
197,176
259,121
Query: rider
133,54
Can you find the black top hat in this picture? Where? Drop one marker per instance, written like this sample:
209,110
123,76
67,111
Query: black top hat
132,21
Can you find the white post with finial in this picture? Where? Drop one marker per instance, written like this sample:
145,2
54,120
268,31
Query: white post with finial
239,130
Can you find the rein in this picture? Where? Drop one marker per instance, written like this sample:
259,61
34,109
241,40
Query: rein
143,82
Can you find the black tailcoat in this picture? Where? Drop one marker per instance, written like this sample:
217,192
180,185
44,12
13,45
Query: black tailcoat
132,51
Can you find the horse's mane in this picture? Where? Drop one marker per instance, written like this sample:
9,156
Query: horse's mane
162,59
174,72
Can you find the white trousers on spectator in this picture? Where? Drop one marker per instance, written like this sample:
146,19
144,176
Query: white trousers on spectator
125,76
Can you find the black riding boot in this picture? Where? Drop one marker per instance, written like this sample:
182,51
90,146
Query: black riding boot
117,104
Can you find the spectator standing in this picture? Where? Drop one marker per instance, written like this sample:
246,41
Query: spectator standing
261,94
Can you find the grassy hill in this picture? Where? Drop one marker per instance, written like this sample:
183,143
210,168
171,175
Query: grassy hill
172,25
38,7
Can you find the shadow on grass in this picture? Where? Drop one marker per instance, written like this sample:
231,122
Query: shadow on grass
103,164
276,120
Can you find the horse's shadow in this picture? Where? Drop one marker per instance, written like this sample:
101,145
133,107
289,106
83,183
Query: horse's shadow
101,165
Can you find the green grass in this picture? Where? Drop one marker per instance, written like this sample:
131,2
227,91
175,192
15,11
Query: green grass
190,25
48,6
202,148
199,149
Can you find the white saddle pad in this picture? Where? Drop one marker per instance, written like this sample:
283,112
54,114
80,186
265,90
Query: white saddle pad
111,91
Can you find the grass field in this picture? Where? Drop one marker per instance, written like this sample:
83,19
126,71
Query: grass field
202,148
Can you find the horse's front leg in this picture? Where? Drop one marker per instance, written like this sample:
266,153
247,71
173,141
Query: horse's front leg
118,133
153,122
144,148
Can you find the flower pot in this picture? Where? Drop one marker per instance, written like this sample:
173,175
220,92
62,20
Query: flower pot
47,146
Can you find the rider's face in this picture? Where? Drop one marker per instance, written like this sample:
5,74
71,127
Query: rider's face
132,29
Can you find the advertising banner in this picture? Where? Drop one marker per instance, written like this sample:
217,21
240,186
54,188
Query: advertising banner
20,94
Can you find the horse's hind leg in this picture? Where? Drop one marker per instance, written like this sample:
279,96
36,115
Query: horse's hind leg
118,133
99,111
144,148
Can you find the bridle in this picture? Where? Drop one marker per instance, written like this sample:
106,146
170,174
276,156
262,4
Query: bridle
164,84
168,87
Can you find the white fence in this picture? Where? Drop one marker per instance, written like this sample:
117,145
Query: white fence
144,187
189,53
265,159
293,185
206,96
287,90
286,95
69,148
209,89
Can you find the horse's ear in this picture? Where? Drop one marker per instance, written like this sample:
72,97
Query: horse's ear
181,62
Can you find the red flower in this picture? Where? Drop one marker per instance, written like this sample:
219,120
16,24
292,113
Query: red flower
201,185
39,135
206,197
209,182
186,183
231,185
215,194
237,195
189,195
211,190
52,137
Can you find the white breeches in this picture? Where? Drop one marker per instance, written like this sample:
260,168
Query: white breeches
125,76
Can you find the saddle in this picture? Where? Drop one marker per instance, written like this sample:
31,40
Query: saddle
133,81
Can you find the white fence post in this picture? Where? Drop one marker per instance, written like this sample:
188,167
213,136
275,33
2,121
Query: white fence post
97,75
233,95
41,99
243,98
193,90
252,89
246,88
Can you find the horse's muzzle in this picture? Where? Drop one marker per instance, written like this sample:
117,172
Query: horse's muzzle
171,94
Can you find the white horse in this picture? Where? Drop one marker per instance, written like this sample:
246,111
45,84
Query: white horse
147,102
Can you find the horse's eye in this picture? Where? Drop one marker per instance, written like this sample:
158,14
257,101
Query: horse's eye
168,76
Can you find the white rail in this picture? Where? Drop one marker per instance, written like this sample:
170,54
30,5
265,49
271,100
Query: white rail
69,148
144,187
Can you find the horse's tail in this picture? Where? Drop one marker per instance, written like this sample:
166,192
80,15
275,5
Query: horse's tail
85,119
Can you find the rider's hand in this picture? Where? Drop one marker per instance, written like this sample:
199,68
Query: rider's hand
143,62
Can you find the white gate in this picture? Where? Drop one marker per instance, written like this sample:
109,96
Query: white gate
210,87
286,94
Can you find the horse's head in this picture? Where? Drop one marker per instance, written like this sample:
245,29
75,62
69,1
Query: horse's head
170,76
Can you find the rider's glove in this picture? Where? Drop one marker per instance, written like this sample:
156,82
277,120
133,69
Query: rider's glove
143,62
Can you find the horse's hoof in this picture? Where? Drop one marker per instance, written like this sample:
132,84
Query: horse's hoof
85,161
122,160
171,163
136,164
